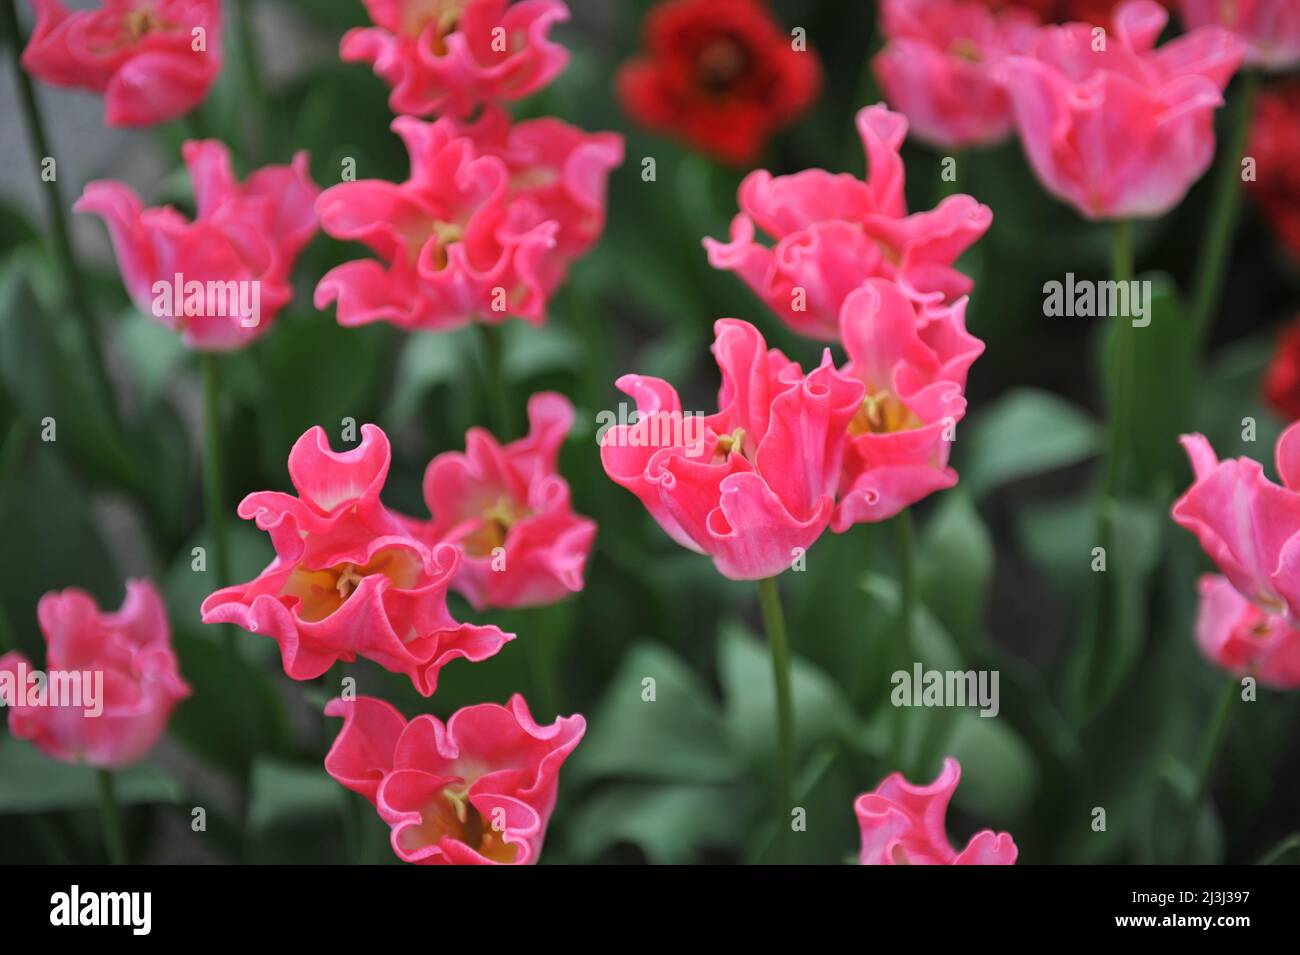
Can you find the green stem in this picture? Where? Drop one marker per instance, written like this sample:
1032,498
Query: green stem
769,598
1122,384
250,77
111,818
214,491
51,195
1225,211
496,388
906,620
1210,752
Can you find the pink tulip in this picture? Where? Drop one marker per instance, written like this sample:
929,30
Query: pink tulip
752,486
1248,525
937,67
127,653
903,824
478,790
832,232
349,578
484,229
449,56
507,510
221,278
1113,126
153,60
914,371
1270,28
1239,637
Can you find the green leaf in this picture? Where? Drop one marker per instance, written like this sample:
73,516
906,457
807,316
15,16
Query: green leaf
32,782
1024,433
671,823
153,352
821,711
955,569
678,736
44,368
1161,395
1106,657
999,773
295,812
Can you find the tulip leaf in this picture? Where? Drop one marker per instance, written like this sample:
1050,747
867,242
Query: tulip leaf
295,812
671,824
1024,433
821,711
32,782
676,736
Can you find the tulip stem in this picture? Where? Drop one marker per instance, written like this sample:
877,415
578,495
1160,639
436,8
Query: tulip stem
496,388
1225,212
53,200
769,598
1122,383
214,491
111,818
1218,732
906,622
250,76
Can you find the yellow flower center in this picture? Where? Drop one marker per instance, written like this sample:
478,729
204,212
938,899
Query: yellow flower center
729,443
882,413
442,14
498,517
141,21
321,592
451,816
442,232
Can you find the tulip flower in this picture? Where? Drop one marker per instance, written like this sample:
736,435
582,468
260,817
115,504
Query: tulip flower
914,372
1248,525
220,278
903,824
1244,640
1113,126
349,578
507,510
937,67
484,229
153,60
447,57
127,654
754,485
1274,144
721,75
477,790
830,233
1270,28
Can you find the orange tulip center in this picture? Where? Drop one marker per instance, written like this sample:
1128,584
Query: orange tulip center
141,21
443,15
451,816
441,232
882,413
728,444
322,592
497,519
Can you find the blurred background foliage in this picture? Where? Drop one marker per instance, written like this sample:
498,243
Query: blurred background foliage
1004,574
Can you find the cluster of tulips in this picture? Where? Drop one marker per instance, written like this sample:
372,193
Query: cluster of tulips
494,214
